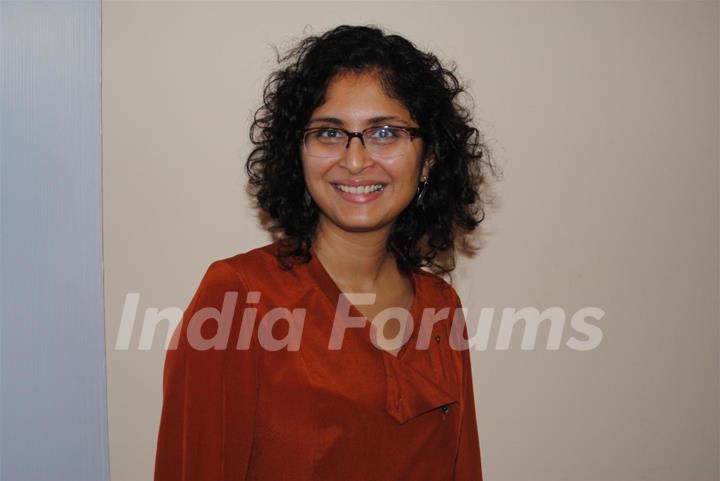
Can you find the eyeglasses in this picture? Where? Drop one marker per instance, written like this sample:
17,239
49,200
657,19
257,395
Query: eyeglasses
388,141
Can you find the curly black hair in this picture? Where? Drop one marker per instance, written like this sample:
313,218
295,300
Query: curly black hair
423,236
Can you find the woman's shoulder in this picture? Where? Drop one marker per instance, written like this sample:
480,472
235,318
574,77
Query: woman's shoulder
257,257
434,286
259,263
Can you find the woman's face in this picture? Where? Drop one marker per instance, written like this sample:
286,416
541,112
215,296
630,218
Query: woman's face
355,102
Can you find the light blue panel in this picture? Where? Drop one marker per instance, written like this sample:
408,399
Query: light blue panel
53,420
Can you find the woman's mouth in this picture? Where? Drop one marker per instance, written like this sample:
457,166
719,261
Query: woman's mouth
359,194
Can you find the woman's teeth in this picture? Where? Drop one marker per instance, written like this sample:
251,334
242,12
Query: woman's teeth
365,189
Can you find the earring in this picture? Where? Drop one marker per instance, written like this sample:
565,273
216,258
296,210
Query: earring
420,192
307,198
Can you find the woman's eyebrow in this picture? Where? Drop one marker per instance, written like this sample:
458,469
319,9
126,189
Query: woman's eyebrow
330,120
373,120
385,118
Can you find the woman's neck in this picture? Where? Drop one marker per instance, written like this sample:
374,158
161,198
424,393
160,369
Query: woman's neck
357,260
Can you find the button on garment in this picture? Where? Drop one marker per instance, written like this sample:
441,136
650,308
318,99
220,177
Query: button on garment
356,412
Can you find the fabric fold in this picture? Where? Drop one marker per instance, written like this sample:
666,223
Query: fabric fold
409,392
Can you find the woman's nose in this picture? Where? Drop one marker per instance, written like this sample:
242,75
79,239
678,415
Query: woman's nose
355,157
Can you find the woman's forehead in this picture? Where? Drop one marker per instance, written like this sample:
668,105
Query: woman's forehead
353,97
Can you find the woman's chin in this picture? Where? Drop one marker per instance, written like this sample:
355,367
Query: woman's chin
359,223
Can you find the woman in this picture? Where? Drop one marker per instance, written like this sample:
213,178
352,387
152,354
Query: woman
366,166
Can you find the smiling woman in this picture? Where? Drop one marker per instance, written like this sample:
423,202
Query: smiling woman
345,81
362,185
368,170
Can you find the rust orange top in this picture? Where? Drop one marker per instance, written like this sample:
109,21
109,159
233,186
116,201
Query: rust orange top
313,414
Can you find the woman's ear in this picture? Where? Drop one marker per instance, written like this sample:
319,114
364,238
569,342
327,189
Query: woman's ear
427,165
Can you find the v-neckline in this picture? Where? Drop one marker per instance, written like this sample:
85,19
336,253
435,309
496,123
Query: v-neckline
333,292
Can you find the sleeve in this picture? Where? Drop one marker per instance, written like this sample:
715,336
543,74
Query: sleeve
467,461
209,394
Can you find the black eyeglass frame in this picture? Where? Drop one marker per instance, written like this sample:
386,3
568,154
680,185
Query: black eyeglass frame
413,132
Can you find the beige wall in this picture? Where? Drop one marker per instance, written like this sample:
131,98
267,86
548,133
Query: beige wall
604,117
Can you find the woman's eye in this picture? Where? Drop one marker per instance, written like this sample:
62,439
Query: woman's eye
326,136
384,133
328,133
